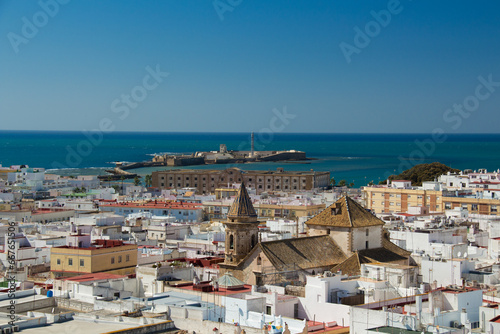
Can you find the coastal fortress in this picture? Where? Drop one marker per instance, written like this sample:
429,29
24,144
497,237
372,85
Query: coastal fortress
222,156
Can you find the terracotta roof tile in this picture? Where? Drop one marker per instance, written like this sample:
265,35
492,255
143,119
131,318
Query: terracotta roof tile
345,213
306,253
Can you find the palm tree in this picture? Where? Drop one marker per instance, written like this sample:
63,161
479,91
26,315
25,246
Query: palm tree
136,180
148,180
333,182
109,181
342,183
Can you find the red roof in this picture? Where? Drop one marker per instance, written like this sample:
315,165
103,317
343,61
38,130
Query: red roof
456,291
93,277
48,210
98,244
156,205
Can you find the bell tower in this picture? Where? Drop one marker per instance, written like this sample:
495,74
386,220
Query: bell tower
242,228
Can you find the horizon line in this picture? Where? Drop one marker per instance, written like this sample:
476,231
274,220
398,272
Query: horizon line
249,132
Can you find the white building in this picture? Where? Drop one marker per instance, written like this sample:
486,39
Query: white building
445,272
28,177
447,308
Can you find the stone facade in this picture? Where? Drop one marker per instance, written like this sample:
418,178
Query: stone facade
206,181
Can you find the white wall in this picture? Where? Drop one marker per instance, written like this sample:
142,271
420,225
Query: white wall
374,238
445,273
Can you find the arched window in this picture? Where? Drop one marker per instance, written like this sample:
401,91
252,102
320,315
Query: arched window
231,242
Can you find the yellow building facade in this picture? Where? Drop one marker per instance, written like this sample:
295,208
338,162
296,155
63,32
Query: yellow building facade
115,258
393,200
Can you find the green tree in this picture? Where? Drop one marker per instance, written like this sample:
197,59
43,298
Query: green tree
136,181
76,190
333,182
423,172
342,183
370,183
350,185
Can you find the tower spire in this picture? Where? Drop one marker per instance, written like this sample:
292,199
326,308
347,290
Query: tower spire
242,209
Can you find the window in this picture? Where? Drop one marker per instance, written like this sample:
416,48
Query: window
400,279
366,245
82,263
70,262
58,261
268,310
112,260
231,242
473,207
447,206
119,259
127,258
493,208
367,232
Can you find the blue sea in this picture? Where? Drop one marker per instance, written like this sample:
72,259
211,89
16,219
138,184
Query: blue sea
358,158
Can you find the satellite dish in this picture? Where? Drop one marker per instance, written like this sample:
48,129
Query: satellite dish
459,254
465,255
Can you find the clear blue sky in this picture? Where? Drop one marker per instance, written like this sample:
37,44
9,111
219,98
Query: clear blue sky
227,75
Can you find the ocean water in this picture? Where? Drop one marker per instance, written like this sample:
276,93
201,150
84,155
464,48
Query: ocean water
358,158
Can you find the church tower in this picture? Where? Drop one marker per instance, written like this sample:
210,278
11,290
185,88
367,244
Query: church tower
242,228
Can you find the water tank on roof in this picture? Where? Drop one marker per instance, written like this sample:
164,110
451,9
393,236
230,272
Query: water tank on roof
50,293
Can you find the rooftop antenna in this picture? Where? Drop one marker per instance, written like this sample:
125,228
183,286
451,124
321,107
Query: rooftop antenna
252,142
